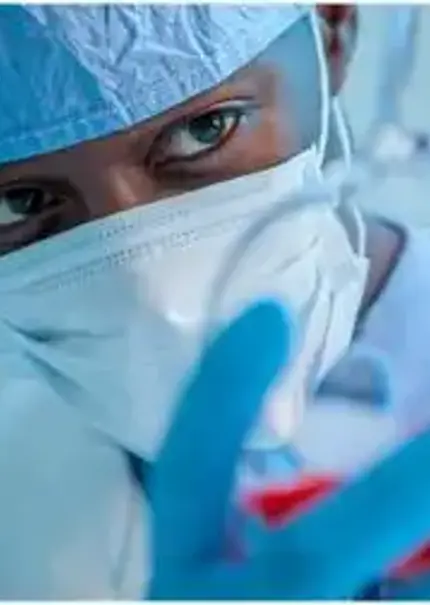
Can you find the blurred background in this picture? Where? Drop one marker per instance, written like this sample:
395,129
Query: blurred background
390,73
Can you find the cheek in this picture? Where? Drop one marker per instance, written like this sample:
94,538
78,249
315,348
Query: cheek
280,132
272,140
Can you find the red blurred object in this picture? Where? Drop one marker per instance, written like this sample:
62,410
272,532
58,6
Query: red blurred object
278,504
336,14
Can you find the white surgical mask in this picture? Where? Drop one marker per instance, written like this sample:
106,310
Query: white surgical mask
97,328
112,314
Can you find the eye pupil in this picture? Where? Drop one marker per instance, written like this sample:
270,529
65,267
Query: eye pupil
24,201
209,128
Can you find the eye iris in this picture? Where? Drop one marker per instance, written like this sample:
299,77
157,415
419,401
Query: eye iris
24,201
209,128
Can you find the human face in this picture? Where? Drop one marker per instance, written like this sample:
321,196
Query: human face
250,122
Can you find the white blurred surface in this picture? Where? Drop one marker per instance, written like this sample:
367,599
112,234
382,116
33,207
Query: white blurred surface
403,197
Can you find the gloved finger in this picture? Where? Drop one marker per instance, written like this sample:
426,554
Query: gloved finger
193,477
360,531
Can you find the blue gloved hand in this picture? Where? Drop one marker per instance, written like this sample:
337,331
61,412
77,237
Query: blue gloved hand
331,551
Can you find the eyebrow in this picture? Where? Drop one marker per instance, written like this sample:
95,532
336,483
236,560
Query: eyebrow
245,82
241,86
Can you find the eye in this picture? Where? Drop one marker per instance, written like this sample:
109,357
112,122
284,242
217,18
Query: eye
19,203
203,133
31,212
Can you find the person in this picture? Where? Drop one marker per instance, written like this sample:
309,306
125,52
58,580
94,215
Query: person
137,144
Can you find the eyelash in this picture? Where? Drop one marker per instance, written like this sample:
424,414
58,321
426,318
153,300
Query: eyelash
31,229
39,224
238,110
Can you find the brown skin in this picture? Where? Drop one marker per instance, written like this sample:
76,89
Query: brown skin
159,157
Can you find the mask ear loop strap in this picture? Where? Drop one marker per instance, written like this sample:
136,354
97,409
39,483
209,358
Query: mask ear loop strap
340,123
324,87
346,146
343,133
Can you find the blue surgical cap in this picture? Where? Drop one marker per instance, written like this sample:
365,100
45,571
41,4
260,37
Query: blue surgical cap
74,73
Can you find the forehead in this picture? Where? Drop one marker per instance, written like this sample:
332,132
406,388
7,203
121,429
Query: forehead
76,73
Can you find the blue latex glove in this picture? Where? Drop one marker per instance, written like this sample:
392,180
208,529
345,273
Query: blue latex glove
332,551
